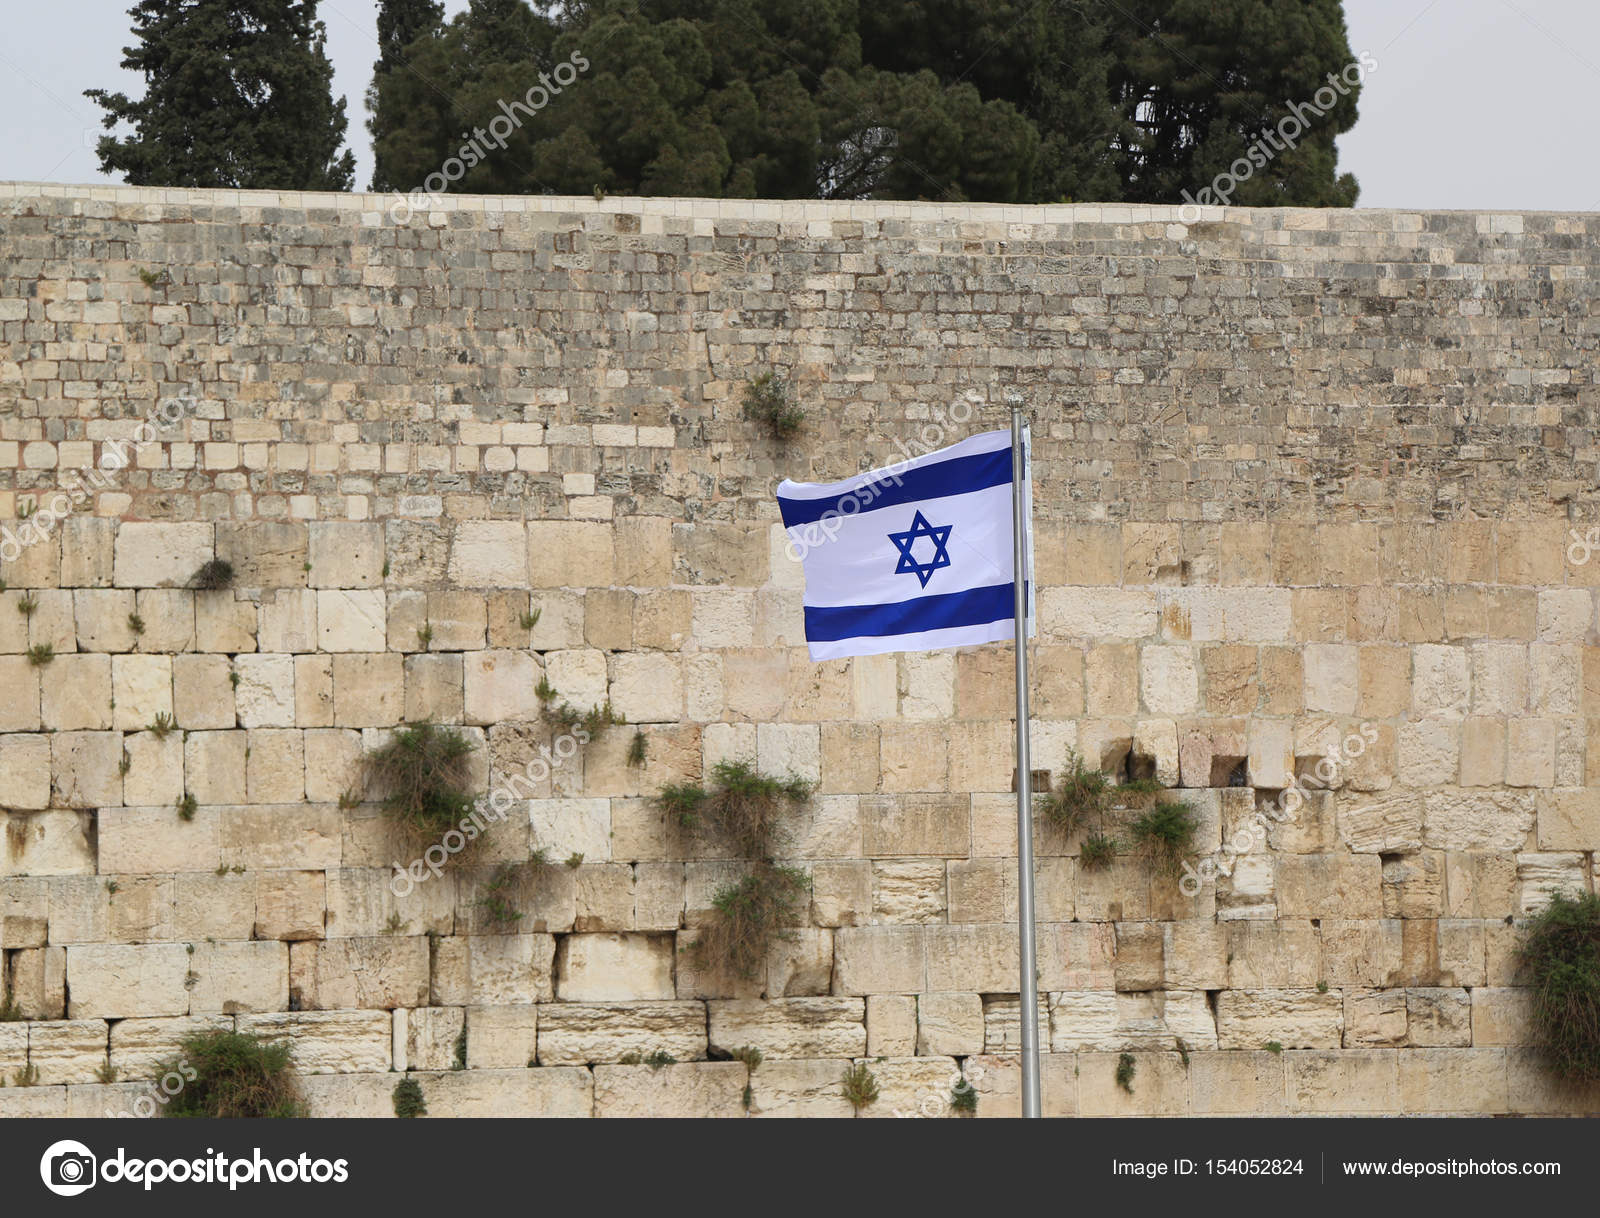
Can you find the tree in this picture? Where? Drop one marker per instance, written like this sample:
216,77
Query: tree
238,93
1207,84
1002,100
400,23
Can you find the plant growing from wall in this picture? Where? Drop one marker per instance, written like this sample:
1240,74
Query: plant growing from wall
233,1074
408,1101
743,805
497,901
964,1099
860,1087
638,749
768,401
747,919
41,654
1097,852
1560,955
423,777
1164,834
213,576
1080,800
1162,830
1126,1068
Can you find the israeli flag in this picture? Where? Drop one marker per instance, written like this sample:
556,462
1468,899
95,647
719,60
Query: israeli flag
912,557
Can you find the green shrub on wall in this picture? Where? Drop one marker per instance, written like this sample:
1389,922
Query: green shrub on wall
1560,955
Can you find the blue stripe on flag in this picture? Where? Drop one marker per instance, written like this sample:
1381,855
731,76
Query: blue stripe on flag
958,476
970,608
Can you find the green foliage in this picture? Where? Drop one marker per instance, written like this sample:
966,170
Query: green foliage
749,1055
1096,852
10,1009
28,1076
162,725
637,748
747,919
187,806
460,1062
41,654
232,1075
999,100
1560,955
654,1060
575,860
424,636
1273,1046
154,279
408,1101
1079,799
213,576
964,1099
498,899
135,623
1126,1069
236,94
768,401
860,1086
423,777
27,604
530,620
745,806
1165,835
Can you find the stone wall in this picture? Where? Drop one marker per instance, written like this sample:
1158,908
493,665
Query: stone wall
1300,475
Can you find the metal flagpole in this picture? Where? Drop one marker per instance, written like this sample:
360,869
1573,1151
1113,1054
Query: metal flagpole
1029,952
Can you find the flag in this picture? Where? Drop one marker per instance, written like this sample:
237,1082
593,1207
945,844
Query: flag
912,557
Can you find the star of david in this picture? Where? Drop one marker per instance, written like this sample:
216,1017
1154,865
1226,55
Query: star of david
903,542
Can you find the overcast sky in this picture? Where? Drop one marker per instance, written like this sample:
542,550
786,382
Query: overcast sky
1461,112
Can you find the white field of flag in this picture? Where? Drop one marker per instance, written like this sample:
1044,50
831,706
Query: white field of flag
913,557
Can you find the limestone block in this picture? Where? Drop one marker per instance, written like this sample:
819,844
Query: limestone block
576,1034
1295,1019
25,771
290,905
265,554
1454,1080
841,893
981,958
382,973
1475,819
100,619
351,620
313,690
265,695
908,892
1374,1017
1353,1081
1441,683
500,686
614,967
801,965
430,1037
361,903
1439,1017
1530,752
1097,613
67,1051
155,769
275,766
570,554
489,554
168,615
800,1089
789,1027
554,1092
1271,755
1539,876
1480,885
687,1089
658,896
223,623
433,688
1568,819
86,552
891,1025
32,1101
288,621
880,960
143,1048
152,555
47,843
368,689
118,981
329,1042
214,766
140,841
38,982
233,978
1413,885
608,619
496,969
1159,1088
76,693
984,890
604,897
1237,1083
647,687
1329,885
19,710
1331,677
346,554
202,692
916,824
1168,679
1002,1024
501,1037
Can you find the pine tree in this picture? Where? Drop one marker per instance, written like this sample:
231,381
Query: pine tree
400,23
238,93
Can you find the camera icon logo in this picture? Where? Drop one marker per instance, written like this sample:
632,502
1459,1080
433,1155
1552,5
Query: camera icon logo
68,1168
